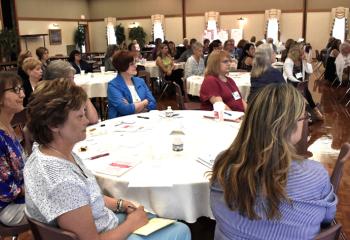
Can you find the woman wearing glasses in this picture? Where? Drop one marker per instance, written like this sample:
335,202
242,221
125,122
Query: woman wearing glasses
260,188
128,94
217,86
11,154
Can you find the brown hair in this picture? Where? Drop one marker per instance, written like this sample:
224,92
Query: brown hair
40,51
49,106
294,52
8,80
256,164
22,57
122,59
213,64
30,63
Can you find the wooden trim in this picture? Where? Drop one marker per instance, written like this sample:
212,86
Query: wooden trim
1,17
304,19
95,20
183,18
49,19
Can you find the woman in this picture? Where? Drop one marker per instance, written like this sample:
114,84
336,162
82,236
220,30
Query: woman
62,69
214,45
262,73
217,87
260,188
77,63
289,43
11,154
195,63
172,49
32,67
240,45
111,50
246,60
295,70
342,62
128,94
166,65
330,73
24,76
60,190
43,55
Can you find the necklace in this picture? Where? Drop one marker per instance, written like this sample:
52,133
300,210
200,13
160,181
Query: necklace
59,152
10,132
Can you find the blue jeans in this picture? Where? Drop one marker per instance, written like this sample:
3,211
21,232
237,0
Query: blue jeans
175,231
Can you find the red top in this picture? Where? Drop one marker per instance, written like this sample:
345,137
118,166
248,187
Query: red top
213,87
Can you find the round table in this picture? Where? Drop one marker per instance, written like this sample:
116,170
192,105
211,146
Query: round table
171,184
242,80
153,69
94,84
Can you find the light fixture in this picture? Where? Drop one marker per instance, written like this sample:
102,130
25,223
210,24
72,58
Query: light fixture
82,16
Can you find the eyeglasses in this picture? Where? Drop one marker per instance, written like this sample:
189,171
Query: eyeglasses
16,89
226,61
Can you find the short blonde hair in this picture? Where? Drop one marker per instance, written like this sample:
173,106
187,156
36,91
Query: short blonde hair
30,63
213,64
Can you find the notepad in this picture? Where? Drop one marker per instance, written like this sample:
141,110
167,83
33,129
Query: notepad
116,168
153,225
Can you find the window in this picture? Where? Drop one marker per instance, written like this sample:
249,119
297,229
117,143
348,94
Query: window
339,29
111,38
158,31
272,30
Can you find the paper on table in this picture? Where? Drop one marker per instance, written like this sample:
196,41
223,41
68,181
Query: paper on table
231,116
116,168
153,225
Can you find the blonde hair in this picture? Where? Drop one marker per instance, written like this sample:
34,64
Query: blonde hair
294,52
213,64
30,63
262,60
256,164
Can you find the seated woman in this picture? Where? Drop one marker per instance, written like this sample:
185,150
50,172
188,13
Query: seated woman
111,50
43,55
217,87
172,49
195,63
62,69
214,45
32,67
128,94
246,60
11,156
330,73
295,70
77,63
262,73
260,188
24,76
60,190
166,64
342,62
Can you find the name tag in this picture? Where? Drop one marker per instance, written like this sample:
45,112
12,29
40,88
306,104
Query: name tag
236,95
299,75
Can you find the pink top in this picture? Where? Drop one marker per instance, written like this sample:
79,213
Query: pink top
228,91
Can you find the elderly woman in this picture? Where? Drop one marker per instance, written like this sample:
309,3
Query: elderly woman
32,67
111,50
11,154
217,87
126,93
77,63
295,70
342,62
256,183
43,55
262,73
62,69
246,60
60,190
195,63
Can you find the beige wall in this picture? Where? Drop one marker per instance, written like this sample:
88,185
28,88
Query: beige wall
327,4
52,8
318,36
291,26
97,34
133,8
41,27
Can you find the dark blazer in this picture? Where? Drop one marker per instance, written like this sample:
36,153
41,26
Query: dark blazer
83,66
271,75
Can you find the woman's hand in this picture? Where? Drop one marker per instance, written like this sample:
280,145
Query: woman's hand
137,218
129,207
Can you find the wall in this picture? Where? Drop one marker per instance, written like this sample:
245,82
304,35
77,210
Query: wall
318,36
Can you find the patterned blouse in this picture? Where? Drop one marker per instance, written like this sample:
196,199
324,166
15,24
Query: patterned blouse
11,170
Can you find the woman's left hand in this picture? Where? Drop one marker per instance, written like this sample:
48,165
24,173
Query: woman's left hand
129,207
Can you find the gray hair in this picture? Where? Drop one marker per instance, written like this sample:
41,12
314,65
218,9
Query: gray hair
344,48
58,69
196,45
262,60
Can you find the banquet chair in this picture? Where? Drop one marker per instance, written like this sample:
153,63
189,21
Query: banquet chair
330,233
163,84
337,174
182,105
43,231
12,231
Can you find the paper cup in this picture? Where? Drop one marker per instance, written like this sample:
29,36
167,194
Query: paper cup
219,111
82,72
103,69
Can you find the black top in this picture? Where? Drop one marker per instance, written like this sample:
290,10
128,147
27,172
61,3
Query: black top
331,72
271,75
83,66
26,85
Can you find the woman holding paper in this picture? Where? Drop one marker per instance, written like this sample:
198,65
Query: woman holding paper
217,86
256,183
60,190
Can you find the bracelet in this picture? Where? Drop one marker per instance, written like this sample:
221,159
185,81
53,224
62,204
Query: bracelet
119,206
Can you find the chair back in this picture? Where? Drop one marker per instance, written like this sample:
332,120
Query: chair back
337,174
331,233
179,97
13,231
43,231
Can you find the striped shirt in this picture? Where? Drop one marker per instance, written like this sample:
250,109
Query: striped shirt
312,202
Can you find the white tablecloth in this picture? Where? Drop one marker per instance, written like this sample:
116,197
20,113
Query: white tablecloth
242,80
170,184
153,69
95,84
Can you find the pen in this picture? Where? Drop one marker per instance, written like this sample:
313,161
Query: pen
229,114
98,156
143,117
